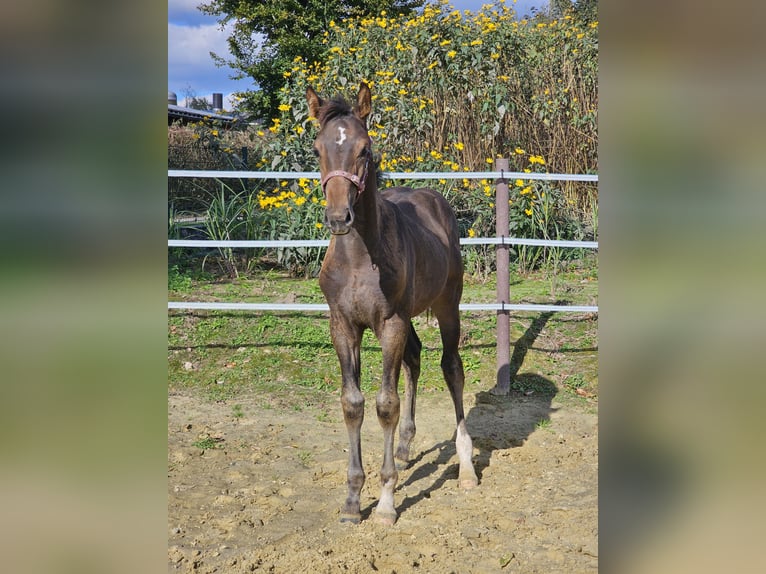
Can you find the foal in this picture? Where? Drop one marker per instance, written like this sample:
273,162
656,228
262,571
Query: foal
392,255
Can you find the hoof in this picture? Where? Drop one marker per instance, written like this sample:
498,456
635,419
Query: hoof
402,464
351,518
500,391
468,482
385,518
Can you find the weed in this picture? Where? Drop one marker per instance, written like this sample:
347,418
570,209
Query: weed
208,443
305,457
544,424
573,382
178,281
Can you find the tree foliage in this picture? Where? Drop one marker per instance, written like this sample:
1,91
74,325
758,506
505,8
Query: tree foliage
269,34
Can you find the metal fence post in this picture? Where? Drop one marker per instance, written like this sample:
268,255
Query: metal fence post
503,384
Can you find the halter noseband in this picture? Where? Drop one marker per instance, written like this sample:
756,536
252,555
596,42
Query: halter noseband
359,182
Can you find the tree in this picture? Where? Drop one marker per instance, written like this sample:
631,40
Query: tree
586,10
269,34
191,100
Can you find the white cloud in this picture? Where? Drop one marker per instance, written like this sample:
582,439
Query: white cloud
190,64
191,45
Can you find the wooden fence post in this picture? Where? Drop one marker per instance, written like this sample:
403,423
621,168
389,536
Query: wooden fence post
503,384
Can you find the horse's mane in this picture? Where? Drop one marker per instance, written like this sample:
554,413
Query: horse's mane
334,108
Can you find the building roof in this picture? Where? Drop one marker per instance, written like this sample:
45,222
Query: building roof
185,115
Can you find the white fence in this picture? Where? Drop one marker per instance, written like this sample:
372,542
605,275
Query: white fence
322,307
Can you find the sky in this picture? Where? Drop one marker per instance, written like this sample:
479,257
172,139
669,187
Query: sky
192,36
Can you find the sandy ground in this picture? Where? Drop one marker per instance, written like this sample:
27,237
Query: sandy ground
267,497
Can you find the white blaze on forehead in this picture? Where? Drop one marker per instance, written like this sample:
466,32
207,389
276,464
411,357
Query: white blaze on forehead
341,135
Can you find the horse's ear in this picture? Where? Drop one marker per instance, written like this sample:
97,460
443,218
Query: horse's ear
363,102
314,101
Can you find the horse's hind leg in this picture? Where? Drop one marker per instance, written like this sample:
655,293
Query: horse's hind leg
452,368
411,364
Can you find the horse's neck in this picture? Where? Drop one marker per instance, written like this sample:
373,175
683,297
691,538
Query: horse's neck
368,215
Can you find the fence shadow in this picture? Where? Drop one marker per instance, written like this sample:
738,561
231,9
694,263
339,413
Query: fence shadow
502,422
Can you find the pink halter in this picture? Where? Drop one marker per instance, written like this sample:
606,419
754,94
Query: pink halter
359,182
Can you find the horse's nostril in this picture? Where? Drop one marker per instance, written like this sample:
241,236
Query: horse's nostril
349,218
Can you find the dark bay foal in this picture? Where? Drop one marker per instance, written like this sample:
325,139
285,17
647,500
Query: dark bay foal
392,255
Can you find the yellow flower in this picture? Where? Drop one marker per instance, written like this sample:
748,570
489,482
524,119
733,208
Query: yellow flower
528,212
519,183
519,151
459,146
490,161
300,201
214,132
476,42
451,54
284,108
471,233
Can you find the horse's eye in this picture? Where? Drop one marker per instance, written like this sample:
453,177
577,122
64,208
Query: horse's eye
316,152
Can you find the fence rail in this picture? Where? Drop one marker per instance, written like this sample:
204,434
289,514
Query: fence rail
266,243
323,307
386,175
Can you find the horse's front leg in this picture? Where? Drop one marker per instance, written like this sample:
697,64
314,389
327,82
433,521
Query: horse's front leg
347,342
393,337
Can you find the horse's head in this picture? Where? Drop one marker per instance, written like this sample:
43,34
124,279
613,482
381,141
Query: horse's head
344,151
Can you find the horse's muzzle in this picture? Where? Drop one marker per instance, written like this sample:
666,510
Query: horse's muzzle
340,222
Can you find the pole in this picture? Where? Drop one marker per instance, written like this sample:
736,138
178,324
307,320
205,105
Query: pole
503,384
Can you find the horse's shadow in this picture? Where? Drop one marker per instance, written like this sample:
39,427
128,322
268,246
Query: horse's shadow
494,423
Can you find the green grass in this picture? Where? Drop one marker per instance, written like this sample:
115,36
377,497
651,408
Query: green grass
286,360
